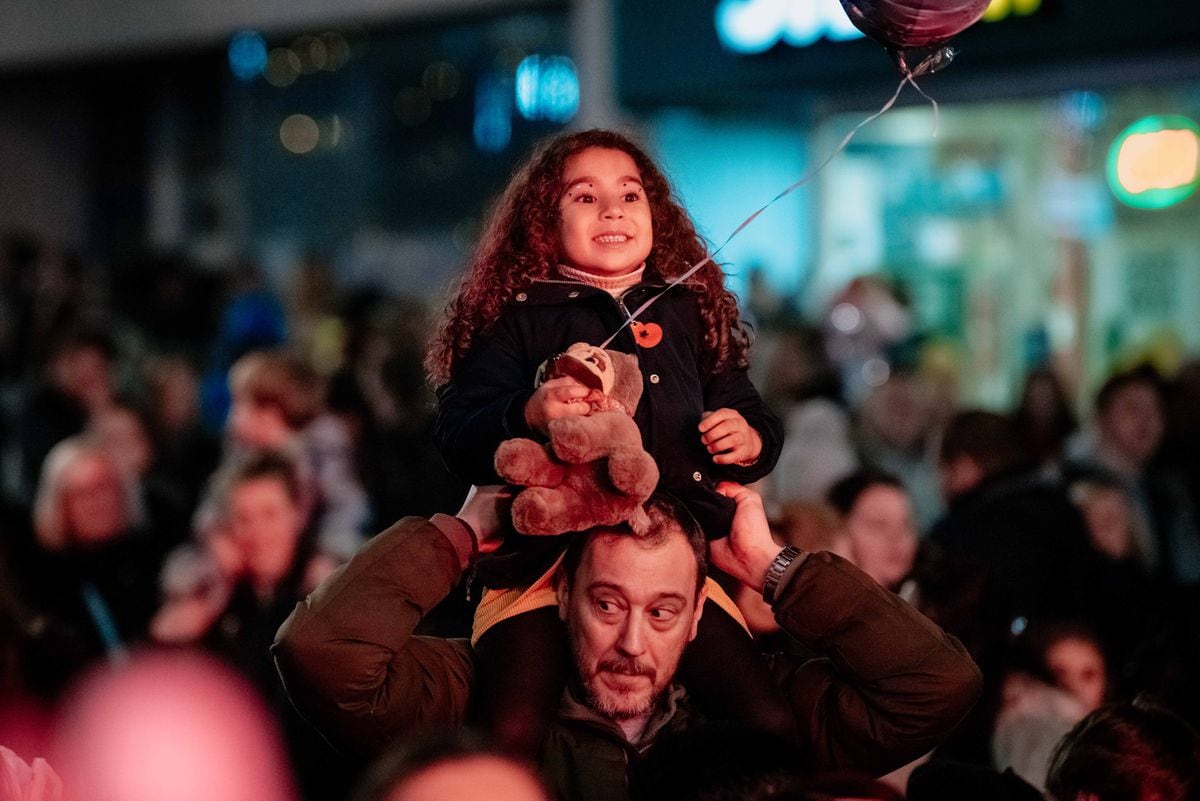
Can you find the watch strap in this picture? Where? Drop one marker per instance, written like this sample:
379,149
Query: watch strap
775,572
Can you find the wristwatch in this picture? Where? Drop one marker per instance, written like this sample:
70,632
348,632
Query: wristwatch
776,570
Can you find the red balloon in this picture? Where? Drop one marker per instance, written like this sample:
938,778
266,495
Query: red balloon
905,24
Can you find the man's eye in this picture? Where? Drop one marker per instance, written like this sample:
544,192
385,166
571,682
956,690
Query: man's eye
662,614
606,606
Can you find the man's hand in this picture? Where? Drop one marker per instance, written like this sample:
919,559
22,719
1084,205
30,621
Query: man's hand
729,437
558,397
748,550
483,510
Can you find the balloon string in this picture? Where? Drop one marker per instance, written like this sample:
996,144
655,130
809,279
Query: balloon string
908,78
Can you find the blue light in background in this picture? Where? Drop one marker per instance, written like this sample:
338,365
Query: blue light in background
547,88
493,113
247,55
755,26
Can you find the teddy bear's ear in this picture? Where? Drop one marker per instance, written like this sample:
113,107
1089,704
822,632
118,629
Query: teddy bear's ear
627,385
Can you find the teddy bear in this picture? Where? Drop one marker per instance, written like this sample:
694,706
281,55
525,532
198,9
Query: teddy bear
594,470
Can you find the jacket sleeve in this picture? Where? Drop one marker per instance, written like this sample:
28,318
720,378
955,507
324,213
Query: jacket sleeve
732,389
483,405
347,656
890,685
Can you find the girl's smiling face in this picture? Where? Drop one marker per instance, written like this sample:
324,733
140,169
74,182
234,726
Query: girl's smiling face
605,226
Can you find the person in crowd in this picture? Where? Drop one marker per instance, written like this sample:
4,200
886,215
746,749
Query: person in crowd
232,599
1129,427
186,453
1005,518
462,766
1127,752
1043,417
1058,673
258,568
278,404
1015,550
92,583
889,686
79,382
878,518
895,432
123,431
1124,595
586,231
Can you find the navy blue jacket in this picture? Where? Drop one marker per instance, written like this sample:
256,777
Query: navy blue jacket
484,403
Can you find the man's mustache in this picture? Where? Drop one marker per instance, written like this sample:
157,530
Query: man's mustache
625,667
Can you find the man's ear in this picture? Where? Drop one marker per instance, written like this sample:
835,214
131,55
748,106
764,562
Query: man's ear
701,597
563,593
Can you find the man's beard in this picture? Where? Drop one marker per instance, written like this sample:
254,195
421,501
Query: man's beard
608,704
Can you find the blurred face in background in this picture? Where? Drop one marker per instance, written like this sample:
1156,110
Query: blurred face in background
258,425
1079,667
86,375
883,538
1109,519
123,435
94,500
471,778
1132,424
265,524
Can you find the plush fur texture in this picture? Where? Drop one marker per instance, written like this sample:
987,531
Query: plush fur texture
594,471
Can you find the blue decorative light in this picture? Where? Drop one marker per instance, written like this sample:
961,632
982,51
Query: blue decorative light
493,114
547,88
754,26
247,55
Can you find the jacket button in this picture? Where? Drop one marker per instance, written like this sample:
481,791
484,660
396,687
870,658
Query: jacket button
522,297
654,378
573,294
696,476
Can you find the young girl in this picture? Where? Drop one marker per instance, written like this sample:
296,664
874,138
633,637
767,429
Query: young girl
585,233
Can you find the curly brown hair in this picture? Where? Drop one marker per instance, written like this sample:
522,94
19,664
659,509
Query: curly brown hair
520,244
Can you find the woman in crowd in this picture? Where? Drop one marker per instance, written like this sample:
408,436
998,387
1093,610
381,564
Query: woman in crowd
92,578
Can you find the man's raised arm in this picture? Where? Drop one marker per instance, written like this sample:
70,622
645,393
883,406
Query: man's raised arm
347,655
891,684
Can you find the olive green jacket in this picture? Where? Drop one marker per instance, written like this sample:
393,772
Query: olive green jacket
890,687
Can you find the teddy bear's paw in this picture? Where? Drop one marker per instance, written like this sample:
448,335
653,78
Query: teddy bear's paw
633,472
527,463
540,512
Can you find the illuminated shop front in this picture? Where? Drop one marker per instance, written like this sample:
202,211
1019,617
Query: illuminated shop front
1046,213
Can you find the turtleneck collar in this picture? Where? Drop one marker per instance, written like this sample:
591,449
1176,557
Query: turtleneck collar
613,285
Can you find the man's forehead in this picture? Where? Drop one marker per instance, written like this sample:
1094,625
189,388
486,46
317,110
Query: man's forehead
667,566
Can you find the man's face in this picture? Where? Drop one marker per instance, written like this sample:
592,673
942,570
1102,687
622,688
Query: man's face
629,613
1133,423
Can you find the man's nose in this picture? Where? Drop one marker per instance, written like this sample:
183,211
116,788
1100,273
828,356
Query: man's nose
632,641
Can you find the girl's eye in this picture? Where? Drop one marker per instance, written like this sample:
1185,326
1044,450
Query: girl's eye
632,197
584,197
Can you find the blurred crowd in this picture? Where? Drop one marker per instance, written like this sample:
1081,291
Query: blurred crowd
188,452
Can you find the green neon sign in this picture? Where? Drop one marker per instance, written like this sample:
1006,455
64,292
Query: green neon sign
1155,163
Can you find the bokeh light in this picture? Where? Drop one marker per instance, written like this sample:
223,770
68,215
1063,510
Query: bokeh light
170,727
283,67
247,55
547,88
337,51
1155,163
492,128
299,134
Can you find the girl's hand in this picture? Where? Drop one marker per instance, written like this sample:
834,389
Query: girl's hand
729,437
558,397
